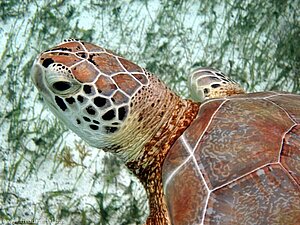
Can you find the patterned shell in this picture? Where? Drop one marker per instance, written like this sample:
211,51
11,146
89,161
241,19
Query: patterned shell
238,163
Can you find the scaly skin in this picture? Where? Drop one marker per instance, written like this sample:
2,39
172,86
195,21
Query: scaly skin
148,166
116,106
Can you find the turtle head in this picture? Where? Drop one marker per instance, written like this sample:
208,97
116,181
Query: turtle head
207,83
92,90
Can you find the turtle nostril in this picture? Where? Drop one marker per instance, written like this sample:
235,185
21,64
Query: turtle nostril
61,85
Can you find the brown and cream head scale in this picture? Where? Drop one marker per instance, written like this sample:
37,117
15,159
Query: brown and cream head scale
91,89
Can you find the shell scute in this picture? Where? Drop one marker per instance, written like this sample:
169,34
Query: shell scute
185,194
257,197
242,136
290,155
177,158
290,105
201,123
248,158
258,95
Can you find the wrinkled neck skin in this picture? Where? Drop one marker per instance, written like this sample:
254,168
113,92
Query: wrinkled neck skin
148,135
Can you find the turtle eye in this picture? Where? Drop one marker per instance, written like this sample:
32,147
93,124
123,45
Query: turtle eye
61,85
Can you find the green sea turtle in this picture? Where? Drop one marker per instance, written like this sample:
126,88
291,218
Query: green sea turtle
228,160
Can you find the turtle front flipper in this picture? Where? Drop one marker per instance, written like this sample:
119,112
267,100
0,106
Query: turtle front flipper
206,83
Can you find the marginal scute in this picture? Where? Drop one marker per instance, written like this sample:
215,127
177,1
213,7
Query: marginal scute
175,158
184,195
290,154
259,95
126,83
290,105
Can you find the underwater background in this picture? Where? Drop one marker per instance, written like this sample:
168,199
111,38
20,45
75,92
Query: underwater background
47,174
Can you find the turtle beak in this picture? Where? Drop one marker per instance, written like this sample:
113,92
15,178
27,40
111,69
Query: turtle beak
38,78
37,75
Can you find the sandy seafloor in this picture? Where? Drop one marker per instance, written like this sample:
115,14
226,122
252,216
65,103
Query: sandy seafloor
49,176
